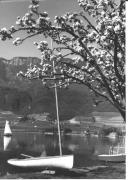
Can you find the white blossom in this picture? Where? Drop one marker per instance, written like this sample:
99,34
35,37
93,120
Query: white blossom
4,29
17,41
117,28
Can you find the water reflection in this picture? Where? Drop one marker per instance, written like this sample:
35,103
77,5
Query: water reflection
85,149
6,141
39,143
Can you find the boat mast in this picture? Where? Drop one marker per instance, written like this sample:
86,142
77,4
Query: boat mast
57,110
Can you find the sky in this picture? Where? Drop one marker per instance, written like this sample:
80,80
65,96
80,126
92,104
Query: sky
10,9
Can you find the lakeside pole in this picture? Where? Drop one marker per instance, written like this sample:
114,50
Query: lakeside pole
57,110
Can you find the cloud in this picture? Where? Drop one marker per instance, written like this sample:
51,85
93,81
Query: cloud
11,1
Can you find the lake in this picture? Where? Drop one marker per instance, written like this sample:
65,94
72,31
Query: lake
84,148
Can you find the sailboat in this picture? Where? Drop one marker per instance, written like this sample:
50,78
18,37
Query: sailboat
7,129
115,154
61,161
112,157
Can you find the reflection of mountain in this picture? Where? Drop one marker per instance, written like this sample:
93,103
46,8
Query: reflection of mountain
26,96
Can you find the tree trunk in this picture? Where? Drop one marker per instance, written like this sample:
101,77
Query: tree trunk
123,114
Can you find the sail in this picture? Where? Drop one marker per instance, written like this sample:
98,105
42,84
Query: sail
7,130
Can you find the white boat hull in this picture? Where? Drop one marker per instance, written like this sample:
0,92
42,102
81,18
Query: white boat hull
64,161
112,157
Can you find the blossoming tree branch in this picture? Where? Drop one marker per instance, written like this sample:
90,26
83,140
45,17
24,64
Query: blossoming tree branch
89,47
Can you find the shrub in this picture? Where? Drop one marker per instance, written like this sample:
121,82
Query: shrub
105,131
67,130
24,119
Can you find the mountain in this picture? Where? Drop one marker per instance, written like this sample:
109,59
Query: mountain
22,61
2,70
24,96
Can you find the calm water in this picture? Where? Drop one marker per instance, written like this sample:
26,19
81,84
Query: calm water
85,150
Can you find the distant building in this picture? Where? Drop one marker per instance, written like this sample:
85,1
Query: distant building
80,120
39,117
